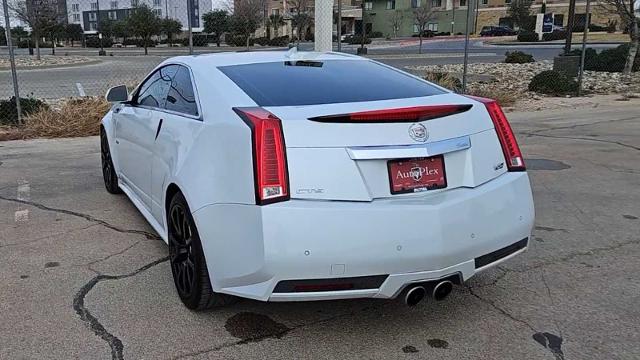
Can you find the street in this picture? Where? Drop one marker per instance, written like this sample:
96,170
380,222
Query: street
130,66
85,277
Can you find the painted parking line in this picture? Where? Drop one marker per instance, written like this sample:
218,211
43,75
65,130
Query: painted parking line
23,194
81,92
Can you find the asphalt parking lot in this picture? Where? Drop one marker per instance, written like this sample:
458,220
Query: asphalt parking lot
83,275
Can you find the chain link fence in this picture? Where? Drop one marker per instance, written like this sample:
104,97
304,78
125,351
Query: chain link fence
74,49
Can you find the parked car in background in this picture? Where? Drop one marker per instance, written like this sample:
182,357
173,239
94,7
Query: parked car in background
296,176
497,31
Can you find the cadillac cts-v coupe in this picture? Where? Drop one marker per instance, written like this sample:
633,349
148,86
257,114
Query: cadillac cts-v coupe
291,176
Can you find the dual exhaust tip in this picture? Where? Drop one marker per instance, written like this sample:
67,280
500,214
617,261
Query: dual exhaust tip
438,290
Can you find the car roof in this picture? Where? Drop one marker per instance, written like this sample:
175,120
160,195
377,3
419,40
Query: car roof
206,61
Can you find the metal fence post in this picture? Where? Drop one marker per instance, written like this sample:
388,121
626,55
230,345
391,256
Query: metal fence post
466,47
190,25
339,25
12,60
584,46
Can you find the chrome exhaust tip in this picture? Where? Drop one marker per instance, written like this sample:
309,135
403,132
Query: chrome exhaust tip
415,295
441,290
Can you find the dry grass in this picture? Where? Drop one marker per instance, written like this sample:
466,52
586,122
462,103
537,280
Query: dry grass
444,79
72,118
505,98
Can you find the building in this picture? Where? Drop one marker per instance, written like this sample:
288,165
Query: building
351,15
449,16
89,13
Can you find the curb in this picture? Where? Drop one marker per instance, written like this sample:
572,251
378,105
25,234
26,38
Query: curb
526,43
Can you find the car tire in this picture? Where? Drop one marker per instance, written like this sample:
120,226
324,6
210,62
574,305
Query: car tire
188,264
108,171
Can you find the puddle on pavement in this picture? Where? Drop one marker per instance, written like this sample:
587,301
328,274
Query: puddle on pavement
545,164
551,342
249,326
51,264
438,344
409,349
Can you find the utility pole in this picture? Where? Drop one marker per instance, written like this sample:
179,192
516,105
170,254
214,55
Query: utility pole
98,29
584,45
466,48
323,25
453,15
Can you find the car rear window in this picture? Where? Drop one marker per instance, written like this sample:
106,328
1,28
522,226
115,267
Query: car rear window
333,81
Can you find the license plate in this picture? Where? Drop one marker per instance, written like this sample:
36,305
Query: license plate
417,174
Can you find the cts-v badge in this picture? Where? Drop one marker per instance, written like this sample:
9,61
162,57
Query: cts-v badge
418,132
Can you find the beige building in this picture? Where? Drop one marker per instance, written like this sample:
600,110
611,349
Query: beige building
351,14
494,12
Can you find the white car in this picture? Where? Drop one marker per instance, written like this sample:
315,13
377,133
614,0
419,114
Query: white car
285,176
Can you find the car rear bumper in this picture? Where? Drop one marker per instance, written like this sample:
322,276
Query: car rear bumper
251,249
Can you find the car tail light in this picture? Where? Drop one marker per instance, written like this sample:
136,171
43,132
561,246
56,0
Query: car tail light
508,142
269,155
408,114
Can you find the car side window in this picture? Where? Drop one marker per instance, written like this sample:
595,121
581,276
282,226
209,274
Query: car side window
180,97
153,92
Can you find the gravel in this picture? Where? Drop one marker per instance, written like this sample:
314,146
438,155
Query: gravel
45,60
516,77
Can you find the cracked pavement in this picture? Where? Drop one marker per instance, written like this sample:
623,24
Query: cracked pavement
83,275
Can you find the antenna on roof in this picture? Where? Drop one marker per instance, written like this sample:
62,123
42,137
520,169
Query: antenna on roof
292,53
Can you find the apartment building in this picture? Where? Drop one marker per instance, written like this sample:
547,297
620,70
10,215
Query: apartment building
450,15
351,15
88,13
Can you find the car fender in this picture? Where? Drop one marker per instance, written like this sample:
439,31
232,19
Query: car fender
109,129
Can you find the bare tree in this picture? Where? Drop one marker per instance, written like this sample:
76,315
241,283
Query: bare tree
626,10
300,16
395,21
40,15
247,17
421,16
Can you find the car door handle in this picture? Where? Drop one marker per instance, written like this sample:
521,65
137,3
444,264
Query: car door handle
158,130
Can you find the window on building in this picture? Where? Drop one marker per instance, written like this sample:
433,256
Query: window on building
94,6
158,12
92,16
157,3
75,7
76,17
134,3
463,2
113,15
93,26
275,12
433,27
416,28
415,4
114,5
436,3
391,4
368,5
507,1
485,2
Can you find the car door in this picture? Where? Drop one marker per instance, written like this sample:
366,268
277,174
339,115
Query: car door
135,127
180,124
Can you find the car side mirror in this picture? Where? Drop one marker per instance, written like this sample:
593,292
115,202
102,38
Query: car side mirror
117,94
